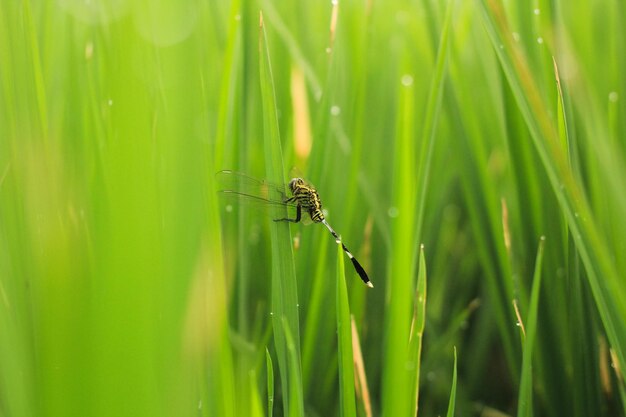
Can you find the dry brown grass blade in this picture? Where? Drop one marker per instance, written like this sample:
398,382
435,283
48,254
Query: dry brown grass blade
359,371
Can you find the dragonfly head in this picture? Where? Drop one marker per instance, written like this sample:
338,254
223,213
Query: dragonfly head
295,183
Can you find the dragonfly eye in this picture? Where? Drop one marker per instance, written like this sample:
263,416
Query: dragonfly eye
295,182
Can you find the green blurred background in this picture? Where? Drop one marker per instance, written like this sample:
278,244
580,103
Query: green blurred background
472,127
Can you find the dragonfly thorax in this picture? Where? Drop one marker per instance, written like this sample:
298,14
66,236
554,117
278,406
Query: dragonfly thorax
307,198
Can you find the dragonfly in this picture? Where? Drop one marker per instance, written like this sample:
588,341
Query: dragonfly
303,198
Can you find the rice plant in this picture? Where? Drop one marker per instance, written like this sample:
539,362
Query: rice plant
470,153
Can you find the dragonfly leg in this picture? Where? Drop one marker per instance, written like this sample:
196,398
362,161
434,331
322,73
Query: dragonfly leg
296,220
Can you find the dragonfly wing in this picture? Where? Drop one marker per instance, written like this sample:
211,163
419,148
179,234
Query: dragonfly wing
236,196
237,182
241,188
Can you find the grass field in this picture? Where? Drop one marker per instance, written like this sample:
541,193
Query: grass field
471,154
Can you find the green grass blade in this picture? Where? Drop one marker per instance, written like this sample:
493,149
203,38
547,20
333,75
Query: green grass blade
284,287
400,286
295,391
221,363
270,382
347,403
37,68
431,118
315,315
407,227
452,401
622,389
524,405
561,117
256,404
417,329
228,97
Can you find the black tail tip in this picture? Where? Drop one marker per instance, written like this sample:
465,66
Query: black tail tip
362,273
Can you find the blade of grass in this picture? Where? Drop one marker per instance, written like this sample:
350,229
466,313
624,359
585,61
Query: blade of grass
284,287
417,329
399,287
561,117
315,314
406,244
620,378
345,358
524,405
215,296
256,406
344,16
361,379
295,392
582,322
433,107
270,382
18,388
452,402
37,68
228,126
228,97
